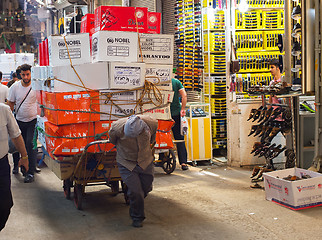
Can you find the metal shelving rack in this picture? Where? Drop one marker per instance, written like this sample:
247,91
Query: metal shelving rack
255,33
215,59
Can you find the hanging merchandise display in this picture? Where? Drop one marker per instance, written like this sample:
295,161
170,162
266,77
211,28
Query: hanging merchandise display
214,46
188,41
258,25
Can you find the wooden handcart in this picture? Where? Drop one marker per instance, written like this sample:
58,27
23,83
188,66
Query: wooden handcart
88,169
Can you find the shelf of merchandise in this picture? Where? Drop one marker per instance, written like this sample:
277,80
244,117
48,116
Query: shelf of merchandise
215,59
255,34
188,39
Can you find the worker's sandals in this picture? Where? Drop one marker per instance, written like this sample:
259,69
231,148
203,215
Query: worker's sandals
184,167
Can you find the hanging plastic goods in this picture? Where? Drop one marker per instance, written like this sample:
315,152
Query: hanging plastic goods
184,126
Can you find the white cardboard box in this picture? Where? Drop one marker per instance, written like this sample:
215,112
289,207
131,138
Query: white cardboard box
78,47
24,58
163,113
156,48
93,75
160,75
9,57
115,46
126,75
7,67
123,104
295,195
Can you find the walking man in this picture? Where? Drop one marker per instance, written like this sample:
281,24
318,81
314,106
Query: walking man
8,126
4,90
178,111
133,137
22,99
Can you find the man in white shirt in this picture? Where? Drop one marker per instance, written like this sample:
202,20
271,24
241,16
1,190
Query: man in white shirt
8,126
4,90
23,99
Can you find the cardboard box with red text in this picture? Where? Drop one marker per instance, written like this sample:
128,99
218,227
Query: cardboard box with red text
296,195
88,24
117,18
154,23
71,107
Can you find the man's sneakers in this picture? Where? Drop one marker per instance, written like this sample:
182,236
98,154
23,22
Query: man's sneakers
29,178
137,223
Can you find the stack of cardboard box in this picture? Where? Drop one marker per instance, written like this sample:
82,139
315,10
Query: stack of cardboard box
84,88
10,61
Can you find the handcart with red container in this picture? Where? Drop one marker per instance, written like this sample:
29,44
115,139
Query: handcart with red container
164,147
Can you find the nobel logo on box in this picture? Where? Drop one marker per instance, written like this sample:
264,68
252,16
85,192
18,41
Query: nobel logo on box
114,46
77,49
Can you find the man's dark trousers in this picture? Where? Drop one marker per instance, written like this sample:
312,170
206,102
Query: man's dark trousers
139,183
181,147
27,131
5,191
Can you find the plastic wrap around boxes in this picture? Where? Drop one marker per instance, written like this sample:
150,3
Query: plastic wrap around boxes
296,195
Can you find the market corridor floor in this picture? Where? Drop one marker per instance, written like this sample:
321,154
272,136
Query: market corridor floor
202,203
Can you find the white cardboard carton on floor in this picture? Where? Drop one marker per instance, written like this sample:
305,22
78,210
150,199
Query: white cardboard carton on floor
296,195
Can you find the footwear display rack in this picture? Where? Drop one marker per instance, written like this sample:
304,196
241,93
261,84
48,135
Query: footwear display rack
271,119
296,43
214,53
188,41
255,37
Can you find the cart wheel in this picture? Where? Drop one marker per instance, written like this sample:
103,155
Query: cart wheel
169,162
78,196
124,190
67,184
115,187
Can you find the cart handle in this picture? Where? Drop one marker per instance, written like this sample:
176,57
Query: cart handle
96,142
